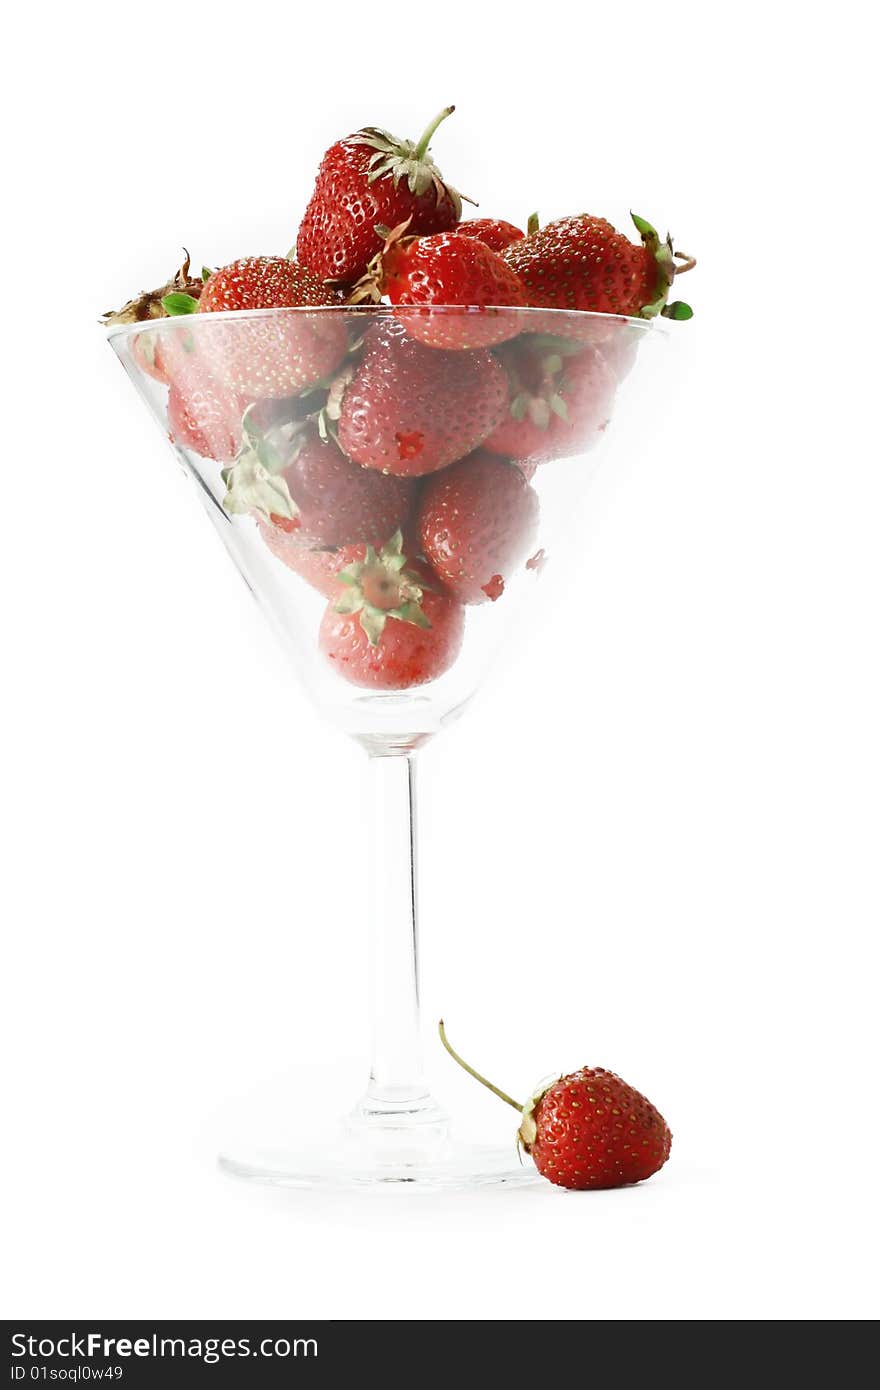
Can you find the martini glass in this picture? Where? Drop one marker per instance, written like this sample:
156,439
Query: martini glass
238,394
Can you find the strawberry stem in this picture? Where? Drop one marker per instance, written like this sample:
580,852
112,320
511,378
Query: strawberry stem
422,146
502,1095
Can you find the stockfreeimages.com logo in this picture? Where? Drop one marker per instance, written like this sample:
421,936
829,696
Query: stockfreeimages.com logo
93,1346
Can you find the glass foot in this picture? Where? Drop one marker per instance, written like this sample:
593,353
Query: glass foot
454,1166
384,1143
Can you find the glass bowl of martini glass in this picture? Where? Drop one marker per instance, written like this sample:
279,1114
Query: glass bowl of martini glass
391,484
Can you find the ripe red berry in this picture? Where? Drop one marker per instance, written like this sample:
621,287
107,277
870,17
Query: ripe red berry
318,566
203,415
278,354
372,179
491,232
263,282
339,502
561,398
477,521
411,409
390,628
451,269
592,1130
583,263
588,1130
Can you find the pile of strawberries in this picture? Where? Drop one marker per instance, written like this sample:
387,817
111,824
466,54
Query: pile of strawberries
387,457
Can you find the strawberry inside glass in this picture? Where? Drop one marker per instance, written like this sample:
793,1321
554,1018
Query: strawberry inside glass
398,484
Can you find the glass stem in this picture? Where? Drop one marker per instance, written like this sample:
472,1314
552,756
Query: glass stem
396,1081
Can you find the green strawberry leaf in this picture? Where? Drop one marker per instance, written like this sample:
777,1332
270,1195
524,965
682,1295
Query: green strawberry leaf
644,228
177,303
373,623
410,613
350,602
678,310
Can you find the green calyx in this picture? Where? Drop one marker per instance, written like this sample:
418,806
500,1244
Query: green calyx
409,160
665,257
178,303
255,484
380,587
540,406
152,303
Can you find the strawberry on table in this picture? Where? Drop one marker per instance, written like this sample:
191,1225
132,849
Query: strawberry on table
272,356
583,263
491,231
410,409
369,179
419,272
477,521
588,1130
561,396
389,627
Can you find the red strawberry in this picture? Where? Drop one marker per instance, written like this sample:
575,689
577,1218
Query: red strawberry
203,415
491,232
156,354
560,399
367,179
410,409
477,521
318,567
587,1130
339,502
272,356
388,629
583,263
449,269
263,282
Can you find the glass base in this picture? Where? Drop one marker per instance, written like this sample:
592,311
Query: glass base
382,1145
459,1167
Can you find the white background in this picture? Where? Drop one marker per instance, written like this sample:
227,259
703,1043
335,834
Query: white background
654,849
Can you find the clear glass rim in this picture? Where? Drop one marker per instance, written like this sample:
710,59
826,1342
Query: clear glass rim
124,330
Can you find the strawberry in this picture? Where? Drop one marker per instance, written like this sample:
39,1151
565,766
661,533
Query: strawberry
588,1130
263,282
317,566
156,354
272,356
583,263
491,232
337,501
203,415
388,629
409,409
477,521
367,179
560,399
446,269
